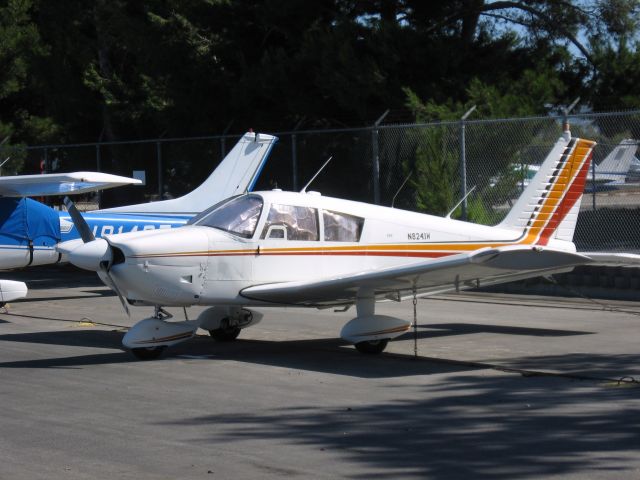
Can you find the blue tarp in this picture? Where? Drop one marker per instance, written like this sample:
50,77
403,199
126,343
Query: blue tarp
24,219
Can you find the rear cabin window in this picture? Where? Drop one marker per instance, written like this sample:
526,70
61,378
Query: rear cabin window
341,227
291,223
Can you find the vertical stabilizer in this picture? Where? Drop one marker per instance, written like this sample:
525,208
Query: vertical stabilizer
236,174
614,168
548,207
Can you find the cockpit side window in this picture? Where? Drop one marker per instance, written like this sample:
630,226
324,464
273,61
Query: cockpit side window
238,216
341,227
300,223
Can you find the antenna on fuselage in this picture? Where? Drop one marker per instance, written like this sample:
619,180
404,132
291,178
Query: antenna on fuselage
393,200
458,204
304,189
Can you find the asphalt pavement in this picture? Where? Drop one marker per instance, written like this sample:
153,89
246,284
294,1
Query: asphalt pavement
503,387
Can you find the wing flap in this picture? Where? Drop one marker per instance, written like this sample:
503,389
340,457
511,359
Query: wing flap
466,270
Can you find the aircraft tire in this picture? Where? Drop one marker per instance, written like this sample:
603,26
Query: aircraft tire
228,334
372,347
150,353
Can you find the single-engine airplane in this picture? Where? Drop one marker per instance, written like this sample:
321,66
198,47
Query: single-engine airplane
284,248
23,243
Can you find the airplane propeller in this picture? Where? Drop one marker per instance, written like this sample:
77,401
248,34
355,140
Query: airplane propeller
92,250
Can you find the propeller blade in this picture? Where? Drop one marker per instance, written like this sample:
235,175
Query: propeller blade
87,236
108,279
79,222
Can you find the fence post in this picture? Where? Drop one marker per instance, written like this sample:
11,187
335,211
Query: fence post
98,169
160,179
463,162
375,163
223,140
593,183
294,154
294,162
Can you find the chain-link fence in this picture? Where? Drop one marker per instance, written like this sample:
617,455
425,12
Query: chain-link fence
422,167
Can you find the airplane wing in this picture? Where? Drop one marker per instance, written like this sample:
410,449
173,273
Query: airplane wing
457,272
60,183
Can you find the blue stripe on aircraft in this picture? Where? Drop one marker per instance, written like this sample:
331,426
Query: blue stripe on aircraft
110,223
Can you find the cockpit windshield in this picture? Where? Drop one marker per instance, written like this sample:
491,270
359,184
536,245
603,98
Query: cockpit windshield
238,216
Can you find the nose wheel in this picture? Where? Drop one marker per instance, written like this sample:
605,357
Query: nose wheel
148,353
225,333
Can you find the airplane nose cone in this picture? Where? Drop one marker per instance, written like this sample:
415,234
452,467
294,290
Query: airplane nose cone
90,255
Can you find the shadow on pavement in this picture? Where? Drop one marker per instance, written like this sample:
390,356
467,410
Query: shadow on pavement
480,427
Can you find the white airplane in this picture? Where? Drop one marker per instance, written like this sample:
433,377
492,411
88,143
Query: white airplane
21,218
614,168
303,249
29,230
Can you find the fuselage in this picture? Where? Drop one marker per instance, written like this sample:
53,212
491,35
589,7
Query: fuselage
271,237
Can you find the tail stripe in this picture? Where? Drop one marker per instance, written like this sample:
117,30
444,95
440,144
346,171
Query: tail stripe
570,199
561,192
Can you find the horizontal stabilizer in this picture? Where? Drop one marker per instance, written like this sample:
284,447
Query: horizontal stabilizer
613,259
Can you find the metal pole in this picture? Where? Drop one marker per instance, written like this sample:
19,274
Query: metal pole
159,157
294,162
294,154
223,140
463,162
375,170
593,183
98,169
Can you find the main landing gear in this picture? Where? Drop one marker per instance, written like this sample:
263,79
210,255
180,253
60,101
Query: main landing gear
372,347
370,333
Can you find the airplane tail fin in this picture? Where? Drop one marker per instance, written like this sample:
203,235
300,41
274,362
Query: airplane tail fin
615,166
548,208
237,173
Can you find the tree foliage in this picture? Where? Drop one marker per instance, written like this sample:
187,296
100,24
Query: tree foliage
119,69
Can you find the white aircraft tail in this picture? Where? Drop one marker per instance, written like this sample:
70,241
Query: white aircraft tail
237,173
548,208
616,165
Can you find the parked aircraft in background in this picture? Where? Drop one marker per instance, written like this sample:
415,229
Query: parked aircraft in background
611,172
614,169
32,242
26,224
304,249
